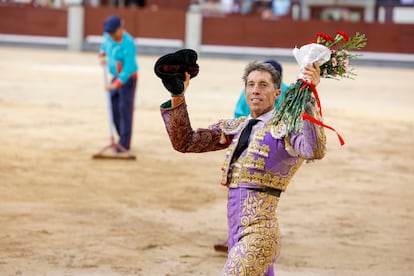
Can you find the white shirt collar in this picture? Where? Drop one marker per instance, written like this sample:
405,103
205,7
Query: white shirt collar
263,118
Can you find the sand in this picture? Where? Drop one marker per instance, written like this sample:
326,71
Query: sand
63,213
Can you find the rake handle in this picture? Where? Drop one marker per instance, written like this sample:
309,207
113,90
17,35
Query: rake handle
109,105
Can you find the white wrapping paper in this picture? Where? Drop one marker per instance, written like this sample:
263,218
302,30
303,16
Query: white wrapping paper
310,53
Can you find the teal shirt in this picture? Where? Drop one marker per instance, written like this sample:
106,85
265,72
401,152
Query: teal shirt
121,56
242,109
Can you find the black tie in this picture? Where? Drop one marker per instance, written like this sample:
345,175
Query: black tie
244,139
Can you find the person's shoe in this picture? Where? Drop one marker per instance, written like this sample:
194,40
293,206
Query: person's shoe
221,246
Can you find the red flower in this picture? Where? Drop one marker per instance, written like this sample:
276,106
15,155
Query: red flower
320,35
344,35
324,39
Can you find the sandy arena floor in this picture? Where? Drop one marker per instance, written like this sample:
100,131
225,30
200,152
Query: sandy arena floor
62,213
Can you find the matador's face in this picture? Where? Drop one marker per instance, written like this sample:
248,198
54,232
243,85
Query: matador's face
261,93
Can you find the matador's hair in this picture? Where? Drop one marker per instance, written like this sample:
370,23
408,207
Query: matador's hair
262,66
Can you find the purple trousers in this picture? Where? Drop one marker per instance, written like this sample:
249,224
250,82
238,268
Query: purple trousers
253,233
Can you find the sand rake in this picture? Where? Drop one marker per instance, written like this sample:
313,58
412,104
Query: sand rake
113,150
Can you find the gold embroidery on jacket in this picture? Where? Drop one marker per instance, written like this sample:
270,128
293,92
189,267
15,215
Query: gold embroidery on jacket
268,179
259,244
262,150
232,126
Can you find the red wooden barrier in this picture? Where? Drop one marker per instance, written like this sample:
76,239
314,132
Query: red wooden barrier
232,30
28,20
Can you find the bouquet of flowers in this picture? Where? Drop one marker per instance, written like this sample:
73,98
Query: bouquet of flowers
332,55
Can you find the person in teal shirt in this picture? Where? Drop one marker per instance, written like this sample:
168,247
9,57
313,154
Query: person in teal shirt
242,109
118,53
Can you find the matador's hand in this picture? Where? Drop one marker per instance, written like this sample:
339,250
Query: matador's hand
312,74
176,100
186,81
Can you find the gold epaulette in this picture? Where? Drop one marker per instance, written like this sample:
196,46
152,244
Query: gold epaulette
232,126
278,131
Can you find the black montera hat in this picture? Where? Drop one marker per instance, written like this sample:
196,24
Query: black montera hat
171,69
